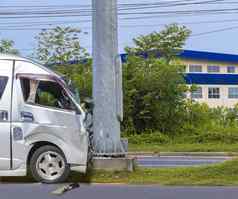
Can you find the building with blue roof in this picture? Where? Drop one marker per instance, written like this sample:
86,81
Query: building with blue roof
216,77
215,74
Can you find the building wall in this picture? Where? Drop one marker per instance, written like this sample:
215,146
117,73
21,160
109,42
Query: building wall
223,66
224,99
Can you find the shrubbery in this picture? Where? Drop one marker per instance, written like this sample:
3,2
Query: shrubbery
155,110
80,75
148,138
207,125
154,107
153,95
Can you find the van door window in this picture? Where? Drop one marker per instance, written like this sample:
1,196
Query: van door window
3,83
46,93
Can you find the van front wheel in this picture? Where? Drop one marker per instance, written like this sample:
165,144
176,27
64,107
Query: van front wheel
48,165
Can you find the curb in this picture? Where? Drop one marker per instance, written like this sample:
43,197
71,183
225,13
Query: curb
183,154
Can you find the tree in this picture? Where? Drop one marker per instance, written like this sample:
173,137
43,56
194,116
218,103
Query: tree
60,44
7,46
154,88
153,95
168,42
81,76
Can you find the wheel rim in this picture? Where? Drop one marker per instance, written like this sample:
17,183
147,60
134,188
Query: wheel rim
50,165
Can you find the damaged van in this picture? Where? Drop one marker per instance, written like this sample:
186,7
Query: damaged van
41,123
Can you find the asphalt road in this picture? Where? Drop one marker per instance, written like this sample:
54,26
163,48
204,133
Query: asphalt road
38,191
178,161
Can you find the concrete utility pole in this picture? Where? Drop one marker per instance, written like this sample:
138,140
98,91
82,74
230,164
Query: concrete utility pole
107,91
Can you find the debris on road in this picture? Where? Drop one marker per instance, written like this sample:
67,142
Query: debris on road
65,188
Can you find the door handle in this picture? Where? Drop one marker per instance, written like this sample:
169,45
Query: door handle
3,115
27,116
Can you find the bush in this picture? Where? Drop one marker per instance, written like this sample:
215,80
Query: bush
223,135
153,102
153,95
206,125
220,135
148,138
81,76
153,92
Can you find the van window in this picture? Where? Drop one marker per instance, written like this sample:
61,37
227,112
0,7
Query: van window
46,93
3,83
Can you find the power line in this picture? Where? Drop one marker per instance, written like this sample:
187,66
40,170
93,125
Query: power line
193,35
28,26
215,31
69,22
77,10
121,7
183,23
25,26
37,23
145,15
148,12
125,5
85,11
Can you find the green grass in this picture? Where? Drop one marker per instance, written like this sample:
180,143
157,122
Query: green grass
224,174
174,147
222,140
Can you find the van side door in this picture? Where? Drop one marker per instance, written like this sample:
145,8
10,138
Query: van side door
6,71
48,114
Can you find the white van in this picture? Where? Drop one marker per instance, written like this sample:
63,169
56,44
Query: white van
41,123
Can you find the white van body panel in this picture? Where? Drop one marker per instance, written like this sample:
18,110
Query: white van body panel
6,68
63,128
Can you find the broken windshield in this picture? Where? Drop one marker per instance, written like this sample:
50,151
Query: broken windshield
72,88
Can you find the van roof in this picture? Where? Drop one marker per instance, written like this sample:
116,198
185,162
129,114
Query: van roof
15,57
10,57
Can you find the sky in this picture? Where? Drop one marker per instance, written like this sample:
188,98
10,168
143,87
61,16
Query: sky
210,32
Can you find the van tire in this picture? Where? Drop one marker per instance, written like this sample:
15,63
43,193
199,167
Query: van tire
48,165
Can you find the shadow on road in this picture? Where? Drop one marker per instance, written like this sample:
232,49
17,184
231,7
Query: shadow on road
74,177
